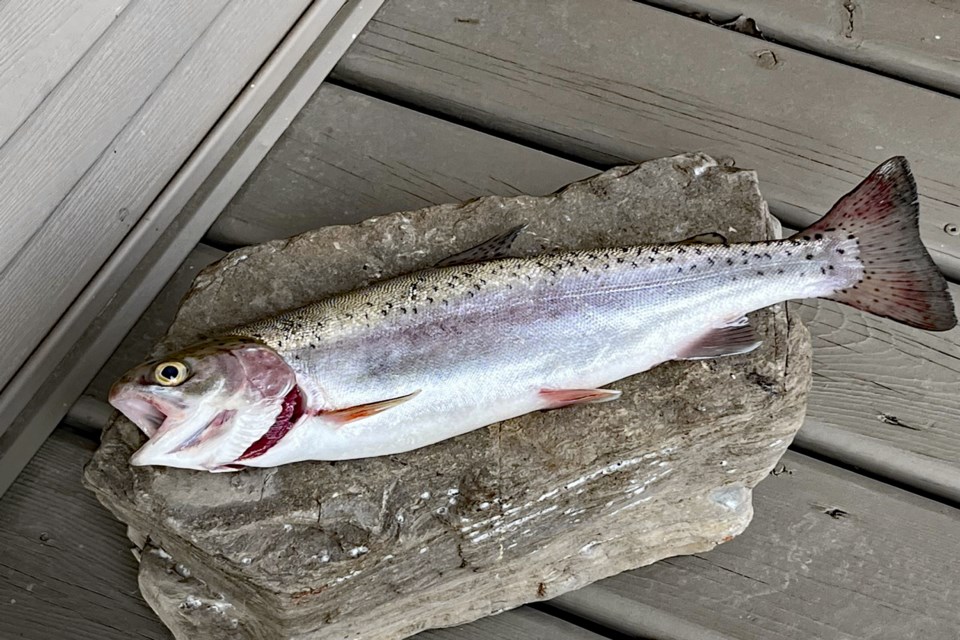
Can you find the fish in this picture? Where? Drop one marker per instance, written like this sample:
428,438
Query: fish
481,338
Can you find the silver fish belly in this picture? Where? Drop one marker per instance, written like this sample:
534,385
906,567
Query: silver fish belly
480,342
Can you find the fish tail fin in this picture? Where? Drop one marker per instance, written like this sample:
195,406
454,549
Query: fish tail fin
900,280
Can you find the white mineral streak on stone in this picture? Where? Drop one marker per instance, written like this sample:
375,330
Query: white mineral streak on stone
219,606
589,547
452,492
776,442
633,504
510,526
343,579
191,602
425,495
161,553
356,552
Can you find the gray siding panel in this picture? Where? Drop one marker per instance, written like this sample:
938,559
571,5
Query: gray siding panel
56,145
40,42
84,208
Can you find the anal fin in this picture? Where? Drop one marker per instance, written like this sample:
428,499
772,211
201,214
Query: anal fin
736,338
558,398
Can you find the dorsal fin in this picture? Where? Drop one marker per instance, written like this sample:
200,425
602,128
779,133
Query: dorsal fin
492,249
706,238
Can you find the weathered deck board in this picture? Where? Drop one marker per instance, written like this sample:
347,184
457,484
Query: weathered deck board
891,390
66,570
864,367
918,42
830,555
126,119
39,44
618,80
65,566
346,158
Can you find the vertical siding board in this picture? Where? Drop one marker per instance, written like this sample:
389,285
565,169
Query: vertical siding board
40,42
52,150
110,197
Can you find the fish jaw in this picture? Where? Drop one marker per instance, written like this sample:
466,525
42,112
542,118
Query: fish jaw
150,412
232,396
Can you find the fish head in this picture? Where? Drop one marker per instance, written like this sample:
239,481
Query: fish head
202,407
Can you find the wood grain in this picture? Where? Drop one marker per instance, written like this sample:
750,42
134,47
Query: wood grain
65,566
830,555
100,209
864,367
39,44
923,49
347,157
62,138
66,570
615,81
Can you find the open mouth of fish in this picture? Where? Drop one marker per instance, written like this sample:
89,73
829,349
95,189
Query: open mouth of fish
154,420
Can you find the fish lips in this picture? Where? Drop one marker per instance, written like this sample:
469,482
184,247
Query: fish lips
147,412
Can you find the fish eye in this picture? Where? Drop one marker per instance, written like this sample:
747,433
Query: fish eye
172,373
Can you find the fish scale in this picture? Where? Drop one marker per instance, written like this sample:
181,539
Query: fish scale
484,340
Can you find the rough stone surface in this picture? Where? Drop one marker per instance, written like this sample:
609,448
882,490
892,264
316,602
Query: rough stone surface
517,512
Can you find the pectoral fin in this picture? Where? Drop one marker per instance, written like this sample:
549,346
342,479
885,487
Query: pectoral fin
361,411
567,397
736,338
492,249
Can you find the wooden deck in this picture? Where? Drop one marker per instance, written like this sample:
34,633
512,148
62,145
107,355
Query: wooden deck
856,532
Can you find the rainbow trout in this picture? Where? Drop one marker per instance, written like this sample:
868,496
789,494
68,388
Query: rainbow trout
425,357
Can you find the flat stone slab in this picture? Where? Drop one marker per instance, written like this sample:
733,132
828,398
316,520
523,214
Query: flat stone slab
517,512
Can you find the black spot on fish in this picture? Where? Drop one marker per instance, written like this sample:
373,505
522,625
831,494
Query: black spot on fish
818,236
669,258
619,260
711,261
780,271
809,256
841,251
729,261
